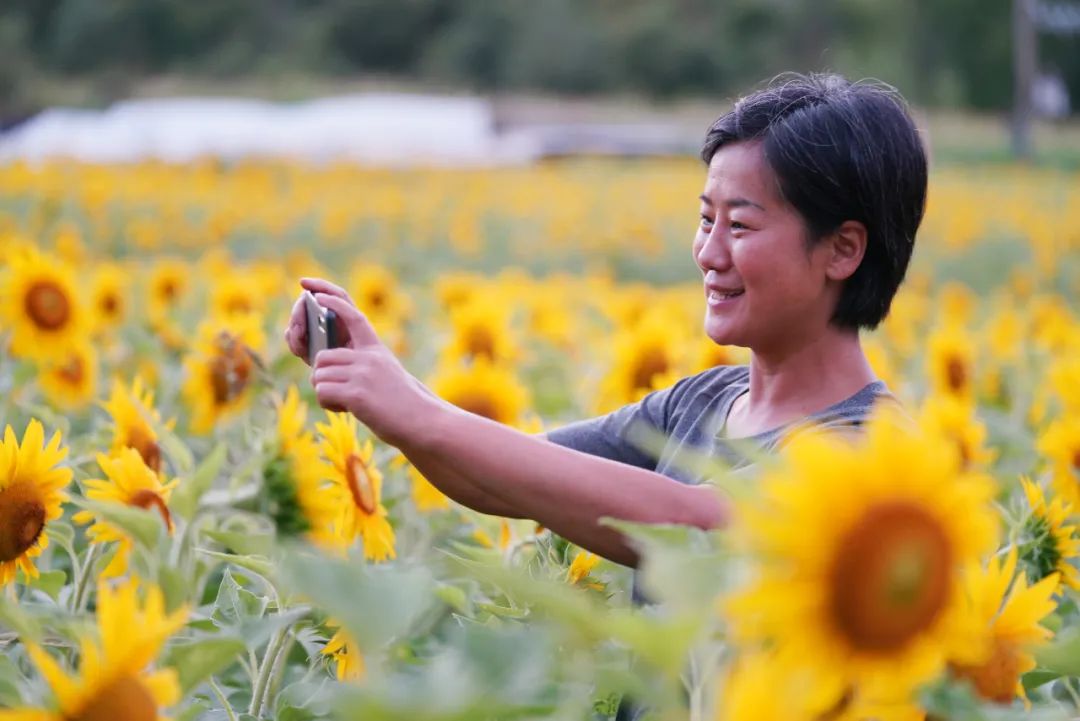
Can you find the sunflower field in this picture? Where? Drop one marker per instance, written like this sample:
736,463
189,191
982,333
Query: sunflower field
185,534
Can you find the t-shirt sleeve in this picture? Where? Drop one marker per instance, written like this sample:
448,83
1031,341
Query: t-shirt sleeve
607,436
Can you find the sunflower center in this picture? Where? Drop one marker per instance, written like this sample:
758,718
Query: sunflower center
22,519
651,363
360,485
145,498
47,305
230,370
891,577
109,305
480,343
125,698
1076,459
377,299
143,441
73,371
996,679
168,290
479,404
956,374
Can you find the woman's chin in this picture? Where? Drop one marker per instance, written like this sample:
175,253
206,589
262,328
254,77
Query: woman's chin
723,333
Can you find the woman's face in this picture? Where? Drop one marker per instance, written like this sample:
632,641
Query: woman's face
764,290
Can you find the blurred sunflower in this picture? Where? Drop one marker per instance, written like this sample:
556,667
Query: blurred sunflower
221,370
348,660
860,550
132,411
362,512
30,497
131,482
71,381
167,285
425,496
1060,444
647,357
747,692
113,681
580,568
40,304
484,389
236,294
1010,612
379,296
950,362
481,332
108,296
710,354
455,289
1048,542
300,499
954,420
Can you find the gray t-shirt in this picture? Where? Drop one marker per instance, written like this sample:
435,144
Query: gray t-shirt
692,414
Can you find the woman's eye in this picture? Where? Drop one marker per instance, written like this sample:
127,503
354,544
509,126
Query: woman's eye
706,221
736,225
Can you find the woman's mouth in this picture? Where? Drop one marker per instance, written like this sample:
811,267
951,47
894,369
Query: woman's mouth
720,297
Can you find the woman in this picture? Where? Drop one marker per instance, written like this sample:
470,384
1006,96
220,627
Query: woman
815,189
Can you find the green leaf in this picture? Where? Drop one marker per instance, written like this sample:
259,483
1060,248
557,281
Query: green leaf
185,499
246,544
1061,656
234,604
454,597
198,660
1038,677
255,564
174,447
143,525
17,619
9,683
375,604
50,582
61,533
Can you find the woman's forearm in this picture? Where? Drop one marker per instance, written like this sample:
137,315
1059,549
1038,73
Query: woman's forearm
565,490
457,486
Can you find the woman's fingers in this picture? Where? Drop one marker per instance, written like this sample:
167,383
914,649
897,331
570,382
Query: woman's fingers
330,374
319,285
332,396
296,331
356,323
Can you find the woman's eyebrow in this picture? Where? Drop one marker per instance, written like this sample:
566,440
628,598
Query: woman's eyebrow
733,202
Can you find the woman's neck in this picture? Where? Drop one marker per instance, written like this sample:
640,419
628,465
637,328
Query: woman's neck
792,383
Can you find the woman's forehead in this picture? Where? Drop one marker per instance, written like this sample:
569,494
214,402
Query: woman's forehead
740,171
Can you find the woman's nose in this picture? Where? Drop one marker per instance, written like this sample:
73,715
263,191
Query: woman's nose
712,252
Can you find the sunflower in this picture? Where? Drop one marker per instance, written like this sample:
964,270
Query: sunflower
345,652
131,482
70,381
131,411
222,368
580,568
710,354
1010,619
748,692
1060,443
113,681
167,285
1048,541
30,497
362,512
108,296
647,357
951,362
425,496
860,549
301,501
485,389
481,330
952,419
39,302
378,295
236,294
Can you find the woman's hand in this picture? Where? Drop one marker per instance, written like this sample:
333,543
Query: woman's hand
365,378
296,331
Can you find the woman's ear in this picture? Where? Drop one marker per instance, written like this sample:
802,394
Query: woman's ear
848,248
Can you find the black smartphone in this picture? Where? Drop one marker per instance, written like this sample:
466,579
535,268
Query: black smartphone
321,327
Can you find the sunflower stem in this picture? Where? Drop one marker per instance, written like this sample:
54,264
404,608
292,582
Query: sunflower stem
78,600
265,669
222,698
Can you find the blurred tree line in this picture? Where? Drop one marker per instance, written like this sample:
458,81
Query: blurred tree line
939,52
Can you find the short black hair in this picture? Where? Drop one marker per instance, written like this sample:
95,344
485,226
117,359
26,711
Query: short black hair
841,151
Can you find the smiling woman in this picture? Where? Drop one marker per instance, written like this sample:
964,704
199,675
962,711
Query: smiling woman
814,191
